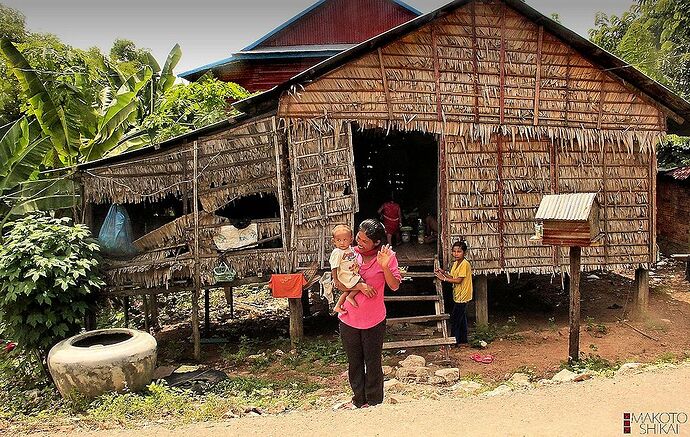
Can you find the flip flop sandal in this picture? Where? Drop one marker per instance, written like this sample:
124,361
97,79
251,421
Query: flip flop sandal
487,359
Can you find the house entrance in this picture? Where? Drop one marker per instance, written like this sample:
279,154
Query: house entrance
402,165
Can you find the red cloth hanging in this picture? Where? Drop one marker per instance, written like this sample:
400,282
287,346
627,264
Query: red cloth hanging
289,285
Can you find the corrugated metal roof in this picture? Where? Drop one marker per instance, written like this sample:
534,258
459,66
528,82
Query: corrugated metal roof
576,206
680,173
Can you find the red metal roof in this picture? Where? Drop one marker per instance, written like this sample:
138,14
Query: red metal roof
341,22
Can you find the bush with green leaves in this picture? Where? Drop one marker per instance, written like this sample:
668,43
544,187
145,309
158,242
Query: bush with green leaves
49,271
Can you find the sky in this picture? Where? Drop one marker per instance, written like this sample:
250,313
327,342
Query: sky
210,30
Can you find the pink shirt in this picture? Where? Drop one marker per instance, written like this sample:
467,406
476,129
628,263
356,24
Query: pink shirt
371,311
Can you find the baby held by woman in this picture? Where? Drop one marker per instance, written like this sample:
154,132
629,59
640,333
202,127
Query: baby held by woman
344,268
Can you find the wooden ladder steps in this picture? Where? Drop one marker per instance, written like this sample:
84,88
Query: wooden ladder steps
414,298
430,275
416,319
419,343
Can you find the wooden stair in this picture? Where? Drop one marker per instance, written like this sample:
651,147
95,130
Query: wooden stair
439,316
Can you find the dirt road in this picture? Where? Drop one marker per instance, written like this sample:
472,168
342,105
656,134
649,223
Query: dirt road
590,408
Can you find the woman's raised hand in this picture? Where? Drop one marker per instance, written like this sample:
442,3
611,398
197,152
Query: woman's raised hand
384,256
369,291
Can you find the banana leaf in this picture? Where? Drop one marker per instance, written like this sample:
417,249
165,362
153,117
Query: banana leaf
50,116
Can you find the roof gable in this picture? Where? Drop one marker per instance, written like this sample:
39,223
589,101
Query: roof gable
338,22
676,108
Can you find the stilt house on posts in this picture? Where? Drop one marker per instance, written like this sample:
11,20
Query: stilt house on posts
499,103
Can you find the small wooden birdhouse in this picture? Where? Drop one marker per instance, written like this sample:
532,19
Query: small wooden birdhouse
569,220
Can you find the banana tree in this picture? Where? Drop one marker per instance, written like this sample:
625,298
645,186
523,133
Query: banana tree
63,131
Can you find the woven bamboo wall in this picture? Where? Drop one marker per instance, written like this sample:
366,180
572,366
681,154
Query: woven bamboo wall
236,162
522,115
324,190
233,163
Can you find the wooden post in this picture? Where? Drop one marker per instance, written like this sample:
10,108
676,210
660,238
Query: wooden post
296,321
147,323
126,305
574,343
196,336
207,312
229,298
155,324
481,300
642,282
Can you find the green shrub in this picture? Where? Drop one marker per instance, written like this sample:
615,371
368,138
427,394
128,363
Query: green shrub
48,273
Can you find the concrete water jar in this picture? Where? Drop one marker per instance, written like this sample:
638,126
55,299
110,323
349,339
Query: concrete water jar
105,360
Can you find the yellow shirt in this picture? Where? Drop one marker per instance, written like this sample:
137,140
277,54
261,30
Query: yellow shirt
462,292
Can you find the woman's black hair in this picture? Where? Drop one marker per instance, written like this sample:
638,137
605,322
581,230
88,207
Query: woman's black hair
461,244
374,230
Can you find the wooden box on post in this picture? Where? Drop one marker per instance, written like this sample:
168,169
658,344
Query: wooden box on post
569,219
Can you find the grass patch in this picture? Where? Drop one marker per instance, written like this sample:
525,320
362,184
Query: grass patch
491,332
667,358
592,363
320,350
597,330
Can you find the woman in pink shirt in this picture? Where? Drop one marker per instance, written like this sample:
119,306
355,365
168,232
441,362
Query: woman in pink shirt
362,328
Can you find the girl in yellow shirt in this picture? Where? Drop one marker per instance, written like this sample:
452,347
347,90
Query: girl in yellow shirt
461,277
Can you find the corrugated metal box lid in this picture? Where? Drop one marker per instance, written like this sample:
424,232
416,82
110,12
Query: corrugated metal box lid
572,207
680,173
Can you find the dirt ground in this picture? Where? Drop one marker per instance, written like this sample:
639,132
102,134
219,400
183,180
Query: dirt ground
531,312
591,408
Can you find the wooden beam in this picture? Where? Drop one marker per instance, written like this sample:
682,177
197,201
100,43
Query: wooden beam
442,200
437,74
185,190
481,300
602,97
230,299
501,221
567,89
502,65
384,79
574,337
196,335
642,284
296,321
475,60
537,79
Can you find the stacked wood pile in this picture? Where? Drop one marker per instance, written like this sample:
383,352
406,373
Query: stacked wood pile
519,114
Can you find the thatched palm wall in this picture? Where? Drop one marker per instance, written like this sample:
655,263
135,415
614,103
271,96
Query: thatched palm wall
519,114
232,163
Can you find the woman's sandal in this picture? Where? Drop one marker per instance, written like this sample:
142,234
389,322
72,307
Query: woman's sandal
345,406
486,359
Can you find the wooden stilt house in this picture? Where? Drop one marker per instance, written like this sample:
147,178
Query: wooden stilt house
487,104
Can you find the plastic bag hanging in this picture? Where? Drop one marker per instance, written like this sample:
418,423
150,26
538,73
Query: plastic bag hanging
115,236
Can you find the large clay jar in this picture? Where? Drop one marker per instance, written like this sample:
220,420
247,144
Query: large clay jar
101,361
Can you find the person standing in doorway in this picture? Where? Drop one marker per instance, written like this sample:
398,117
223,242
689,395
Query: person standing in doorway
362,328
391,215
460,276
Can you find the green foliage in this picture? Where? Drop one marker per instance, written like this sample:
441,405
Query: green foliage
184,108
654,36
48,274
595,329
12,24
674,152
490,332
593,363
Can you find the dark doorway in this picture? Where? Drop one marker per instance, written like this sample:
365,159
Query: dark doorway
401,163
